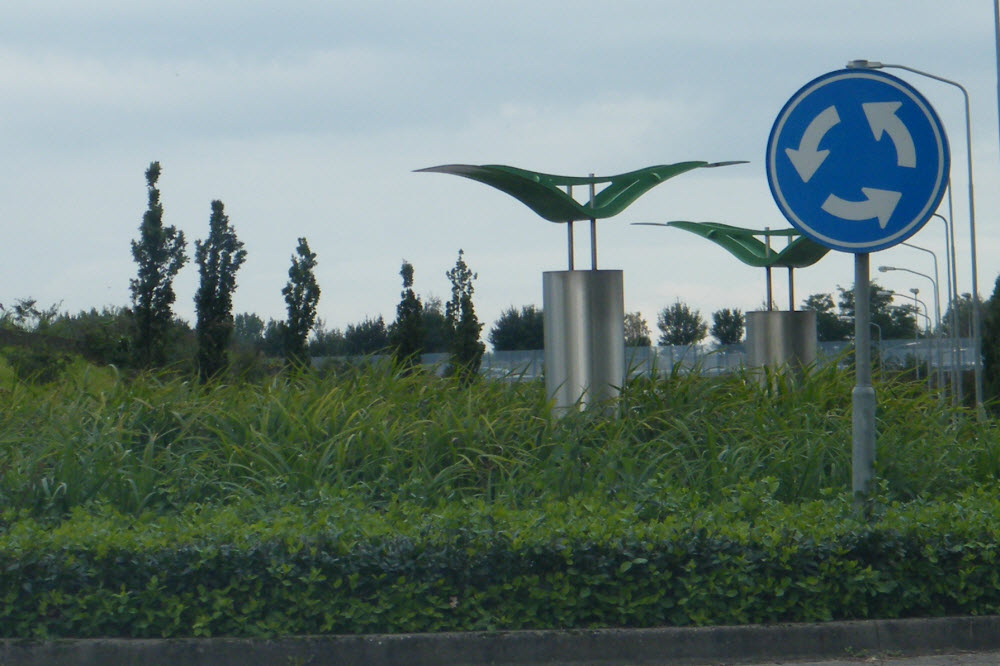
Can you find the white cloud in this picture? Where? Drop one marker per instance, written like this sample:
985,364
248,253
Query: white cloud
308,119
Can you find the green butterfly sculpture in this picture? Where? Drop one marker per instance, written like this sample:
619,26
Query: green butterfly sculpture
743,244
541,191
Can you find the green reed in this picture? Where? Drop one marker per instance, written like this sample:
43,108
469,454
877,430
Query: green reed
158,442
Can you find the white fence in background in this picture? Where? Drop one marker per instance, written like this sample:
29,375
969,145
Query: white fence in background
713,360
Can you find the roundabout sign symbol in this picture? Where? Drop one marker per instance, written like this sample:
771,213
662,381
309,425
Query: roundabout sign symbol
857,160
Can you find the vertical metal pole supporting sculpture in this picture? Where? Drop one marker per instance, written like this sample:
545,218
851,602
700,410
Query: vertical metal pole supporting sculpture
569,231
791,284
593,231
583,336
770,284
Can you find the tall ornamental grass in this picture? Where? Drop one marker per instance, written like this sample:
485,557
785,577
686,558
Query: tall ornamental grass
158,443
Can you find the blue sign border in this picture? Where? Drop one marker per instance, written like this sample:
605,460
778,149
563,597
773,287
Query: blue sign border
897,235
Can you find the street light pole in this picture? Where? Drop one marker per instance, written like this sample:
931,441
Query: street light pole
930,352
916,329
937,313
996,38
916,314
977,336
934,280
885,269
881,362
960,392
949,270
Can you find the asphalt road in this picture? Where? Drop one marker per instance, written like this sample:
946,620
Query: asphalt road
965,659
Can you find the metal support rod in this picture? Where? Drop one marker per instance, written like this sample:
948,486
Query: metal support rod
569,241
569,231
791,284
593,231
863,395
767,271
593,245
791,289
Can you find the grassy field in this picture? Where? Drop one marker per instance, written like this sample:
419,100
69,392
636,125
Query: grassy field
158,443
371,500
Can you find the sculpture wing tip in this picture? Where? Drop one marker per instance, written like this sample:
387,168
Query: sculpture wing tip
712,165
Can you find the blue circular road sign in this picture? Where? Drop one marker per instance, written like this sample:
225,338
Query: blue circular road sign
857,160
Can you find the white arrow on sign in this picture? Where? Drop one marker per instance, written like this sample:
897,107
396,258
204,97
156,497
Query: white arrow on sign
882,118
808,158
877,204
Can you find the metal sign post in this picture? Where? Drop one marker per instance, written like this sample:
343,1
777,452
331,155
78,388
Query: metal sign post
863,395
858,161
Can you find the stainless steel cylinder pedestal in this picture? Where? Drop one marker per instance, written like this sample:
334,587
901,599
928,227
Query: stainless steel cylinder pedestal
584,337
781,340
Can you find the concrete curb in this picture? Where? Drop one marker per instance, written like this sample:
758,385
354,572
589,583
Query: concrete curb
647,647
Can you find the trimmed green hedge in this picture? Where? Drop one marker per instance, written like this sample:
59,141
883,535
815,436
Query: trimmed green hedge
334,566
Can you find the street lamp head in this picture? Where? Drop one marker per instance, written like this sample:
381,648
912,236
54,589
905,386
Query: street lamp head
864,64
884,269
914,291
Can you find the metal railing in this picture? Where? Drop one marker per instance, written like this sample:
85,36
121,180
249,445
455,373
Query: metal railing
712,359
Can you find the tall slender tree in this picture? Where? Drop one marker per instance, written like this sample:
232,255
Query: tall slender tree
159,254
466,351
301,296
406,335
218,259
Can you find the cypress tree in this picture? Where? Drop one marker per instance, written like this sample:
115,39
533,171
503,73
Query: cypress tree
159,255
218,259
407,333
465,349
301,296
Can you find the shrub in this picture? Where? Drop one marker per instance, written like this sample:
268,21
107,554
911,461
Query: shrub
335,566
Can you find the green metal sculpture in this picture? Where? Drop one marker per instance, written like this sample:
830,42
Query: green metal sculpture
541,191
744,245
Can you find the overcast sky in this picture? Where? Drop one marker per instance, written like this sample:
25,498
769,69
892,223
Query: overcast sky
308,118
